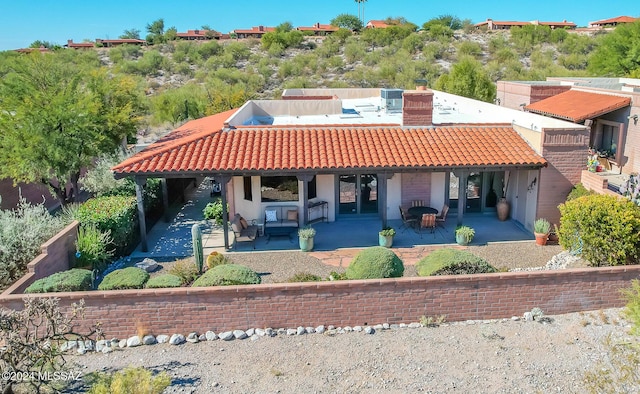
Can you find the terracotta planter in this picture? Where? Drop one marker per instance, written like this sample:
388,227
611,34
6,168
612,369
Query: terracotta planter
503,208
541,239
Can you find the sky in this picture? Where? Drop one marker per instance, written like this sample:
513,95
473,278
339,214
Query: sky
23,22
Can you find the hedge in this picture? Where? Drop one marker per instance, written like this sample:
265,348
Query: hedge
374,263
71,280
228,274
126,278
448,261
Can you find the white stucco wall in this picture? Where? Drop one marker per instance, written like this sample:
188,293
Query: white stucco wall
394,196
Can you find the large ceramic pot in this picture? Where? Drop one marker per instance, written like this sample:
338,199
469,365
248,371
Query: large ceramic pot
502,208
385,240
541,238
306,244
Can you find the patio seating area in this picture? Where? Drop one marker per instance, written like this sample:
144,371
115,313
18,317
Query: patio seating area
173,239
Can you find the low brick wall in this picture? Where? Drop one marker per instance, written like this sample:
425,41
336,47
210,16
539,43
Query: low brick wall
55,256
596,183
463,297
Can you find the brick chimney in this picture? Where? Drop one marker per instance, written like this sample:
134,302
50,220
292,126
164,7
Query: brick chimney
417,107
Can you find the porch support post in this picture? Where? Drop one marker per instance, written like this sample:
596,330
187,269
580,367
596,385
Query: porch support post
224,179
463,177
305,178
140,182
382,195
165,199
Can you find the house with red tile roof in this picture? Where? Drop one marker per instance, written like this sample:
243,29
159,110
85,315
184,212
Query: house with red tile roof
319,29
490,24
608,107
330,145
613,22
254,32
79,45
199,35
119,41
376,24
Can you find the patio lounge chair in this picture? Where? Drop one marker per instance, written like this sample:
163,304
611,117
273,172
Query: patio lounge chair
243,232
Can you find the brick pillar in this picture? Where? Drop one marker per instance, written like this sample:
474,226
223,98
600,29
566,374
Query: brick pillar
417,108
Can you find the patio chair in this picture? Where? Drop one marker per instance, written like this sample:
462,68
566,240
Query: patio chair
429,222
243,232
442,217
407,221
417,203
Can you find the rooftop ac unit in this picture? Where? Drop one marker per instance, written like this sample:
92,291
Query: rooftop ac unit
392,99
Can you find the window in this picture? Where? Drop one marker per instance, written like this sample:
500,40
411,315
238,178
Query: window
248,194
311,192
607,139
279,188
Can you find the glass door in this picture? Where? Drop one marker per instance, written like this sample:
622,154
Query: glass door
357,194
474,192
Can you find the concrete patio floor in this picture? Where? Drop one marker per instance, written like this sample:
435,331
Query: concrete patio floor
172,240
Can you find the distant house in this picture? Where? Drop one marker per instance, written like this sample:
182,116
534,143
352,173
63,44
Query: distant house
78,45
254,32
376,24
319,29
490,24
120,41
612,22
200,35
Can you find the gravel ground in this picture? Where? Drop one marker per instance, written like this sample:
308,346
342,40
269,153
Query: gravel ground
501,356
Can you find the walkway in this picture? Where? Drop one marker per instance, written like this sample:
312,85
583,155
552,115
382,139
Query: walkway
335,243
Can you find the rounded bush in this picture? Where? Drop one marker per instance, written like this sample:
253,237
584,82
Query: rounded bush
72,280
453,262
374,263
304,277
226,275
214,259
166,280
126,278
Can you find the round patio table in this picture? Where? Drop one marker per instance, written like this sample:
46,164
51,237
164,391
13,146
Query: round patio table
419,211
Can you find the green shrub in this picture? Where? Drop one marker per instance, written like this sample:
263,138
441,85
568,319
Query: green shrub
214,259
578,191
186,270
602,229
375,262
448,261
632,309
131,381
226,275
334,275
166,280
213,211
22,231
116,214
72,280
93,248
126,278
304,277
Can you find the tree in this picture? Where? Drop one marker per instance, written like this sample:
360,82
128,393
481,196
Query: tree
450,21
361,10
347,21
156,31
42,44
467,78
131,34
618,52
56,117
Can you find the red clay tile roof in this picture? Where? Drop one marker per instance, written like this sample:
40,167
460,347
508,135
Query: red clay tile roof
616,20
377,24
318,27
202,146
577,106
255,30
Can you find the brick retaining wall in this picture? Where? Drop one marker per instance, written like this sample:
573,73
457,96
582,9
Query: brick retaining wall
463,297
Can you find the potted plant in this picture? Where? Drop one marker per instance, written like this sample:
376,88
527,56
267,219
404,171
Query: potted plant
305,236
502,206
541,229
385,237
464,235
553,235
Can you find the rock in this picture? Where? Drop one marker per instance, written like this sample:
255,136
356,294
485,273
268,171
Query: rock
348,329
90,345
250,332
134,341
357,328
101,344
414,325
320,329
210,336
270,332
385,326
260,332
149,340
515,318
403,325
82,350
281,331
291,331
239,334
202,338
254,337
147,264
226,336
369,330
301,331
176,339
192,337
122,344
162,338
331,328
114,342
107,349
528,316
